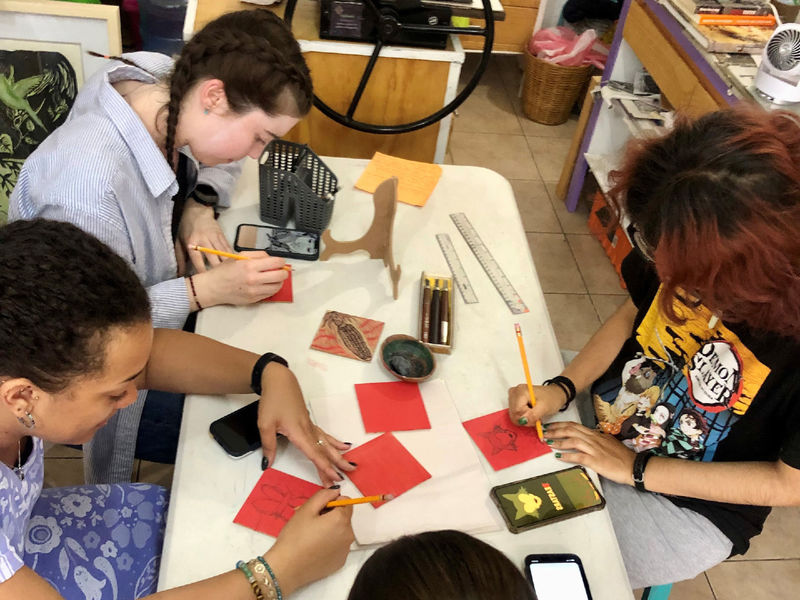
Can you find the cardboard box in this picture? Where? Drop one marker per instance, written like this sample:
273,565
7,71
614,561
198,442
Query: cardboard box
613,239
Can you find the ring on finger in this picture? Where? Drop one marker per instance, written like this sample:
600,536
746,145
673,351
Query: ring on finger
320,442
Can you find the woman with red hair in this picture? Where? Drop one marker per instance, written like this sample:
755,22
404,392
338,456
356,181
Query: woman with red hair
712,327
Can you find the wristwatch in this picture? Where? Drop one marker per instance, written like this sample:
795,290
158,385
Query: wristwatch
205,195
639,464
261,364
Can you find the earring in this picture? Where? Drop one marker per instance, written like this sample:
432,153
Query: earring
205,111
30,423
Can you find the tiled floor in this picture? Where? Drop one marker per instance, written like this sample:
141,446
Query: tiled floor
581,290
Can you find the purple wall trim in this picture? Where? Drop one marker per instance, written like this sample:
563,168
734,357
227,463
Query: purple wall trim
580,169
615,43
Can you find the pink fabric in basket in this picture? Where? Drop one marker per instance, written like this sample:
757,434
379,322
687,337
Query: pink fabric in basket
563,46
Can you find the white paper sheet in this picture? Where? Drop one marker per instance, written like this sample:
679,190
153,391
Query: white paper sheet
455,497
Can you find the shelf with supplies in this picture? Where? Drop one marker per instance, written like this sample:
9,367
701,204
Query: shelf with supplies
691,80
647,37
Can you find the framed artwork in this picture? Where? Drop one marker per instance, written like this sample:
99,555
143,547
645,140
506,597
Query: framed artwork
43,63
89,26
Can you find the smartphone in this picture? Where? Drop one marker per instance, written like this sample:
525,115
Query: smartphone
557,577
237,432
277,241
549,498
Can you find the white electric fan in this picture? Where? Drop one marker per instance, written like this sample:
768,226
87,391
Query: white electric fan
779,73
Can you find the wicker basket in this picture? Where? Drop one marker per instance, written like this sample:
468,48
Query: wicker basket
549,90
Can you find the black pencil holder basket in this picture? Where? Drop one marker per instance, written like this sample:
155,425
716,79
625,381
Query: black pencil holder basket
294,181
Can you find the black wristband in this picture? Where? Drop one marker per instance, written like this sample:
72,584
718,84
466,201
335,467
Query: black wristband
205,194
261,364
565,383
639,464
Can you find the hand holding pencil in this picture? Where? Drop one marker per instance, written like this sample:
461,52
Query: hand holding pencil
321,538
549,398
246,278
529,384
229,255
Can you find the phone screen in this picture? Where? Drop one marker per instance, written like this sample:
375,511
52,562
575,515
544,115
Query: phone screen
276,241
237,432
557,580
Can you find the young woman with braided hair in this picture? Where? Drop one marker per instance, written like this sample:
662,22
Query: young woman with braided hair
147,154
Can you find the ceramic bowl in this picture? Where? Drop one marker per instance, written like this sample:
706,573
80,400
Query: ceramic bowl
407,358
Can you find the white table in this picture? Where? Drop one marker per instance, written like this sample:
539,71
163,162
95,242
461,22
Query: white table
209,487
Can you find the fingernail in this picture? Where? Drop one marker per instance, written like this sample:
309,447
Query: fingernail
335,487
529,405
545,425
264,463
340,475
558,454
348,443
352,463
549,442
523,421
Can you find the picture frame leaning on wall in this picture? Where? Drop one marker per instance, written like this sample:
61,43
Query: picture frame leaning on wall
43,63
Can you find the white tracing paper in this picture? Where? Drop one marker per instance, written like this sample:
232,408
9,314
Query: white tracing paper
455,497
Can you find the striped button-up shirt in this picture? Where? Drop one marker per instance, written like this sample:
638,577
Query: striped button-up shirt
102,171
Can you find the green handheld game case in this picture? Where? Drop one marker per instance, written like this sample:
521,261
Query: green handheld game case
544,499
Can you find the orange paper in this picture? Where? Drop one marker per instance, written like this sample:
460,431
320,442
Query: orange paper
415,180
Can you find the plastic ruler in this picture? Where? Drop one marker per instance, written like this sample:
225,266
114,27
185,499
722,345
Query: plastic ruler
456,268
489,264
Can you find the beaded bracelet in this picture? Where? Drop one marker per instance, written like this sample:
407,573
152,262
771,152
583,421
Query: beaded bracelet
279,594
261,576
194,293
242,566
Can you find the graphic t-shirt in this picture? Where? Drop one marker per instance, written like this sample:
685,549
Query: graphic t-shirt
702,390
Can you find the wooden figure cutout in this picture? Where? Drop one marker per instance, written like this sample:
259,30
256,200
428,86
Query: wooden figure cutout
378,239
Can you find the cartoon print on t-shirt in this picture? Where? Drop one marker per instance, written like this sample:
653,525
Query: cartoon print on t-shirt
651,436
687,439
705,378
715,376
636,396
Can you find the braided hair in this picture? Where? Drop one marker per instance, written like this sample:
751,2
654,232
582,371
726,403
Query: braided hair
258,61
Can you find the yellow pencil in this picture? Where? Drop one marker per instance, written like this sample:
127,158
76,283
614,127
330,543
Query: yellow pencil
364,500
527,376
229,255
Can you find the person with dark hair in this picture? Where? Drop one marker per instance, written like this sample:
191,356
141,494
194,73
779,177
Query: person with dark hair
149,152
439,565
714,284
76,342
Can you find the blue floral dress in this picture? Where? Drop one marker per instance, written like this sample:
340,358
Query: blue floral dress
100,542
